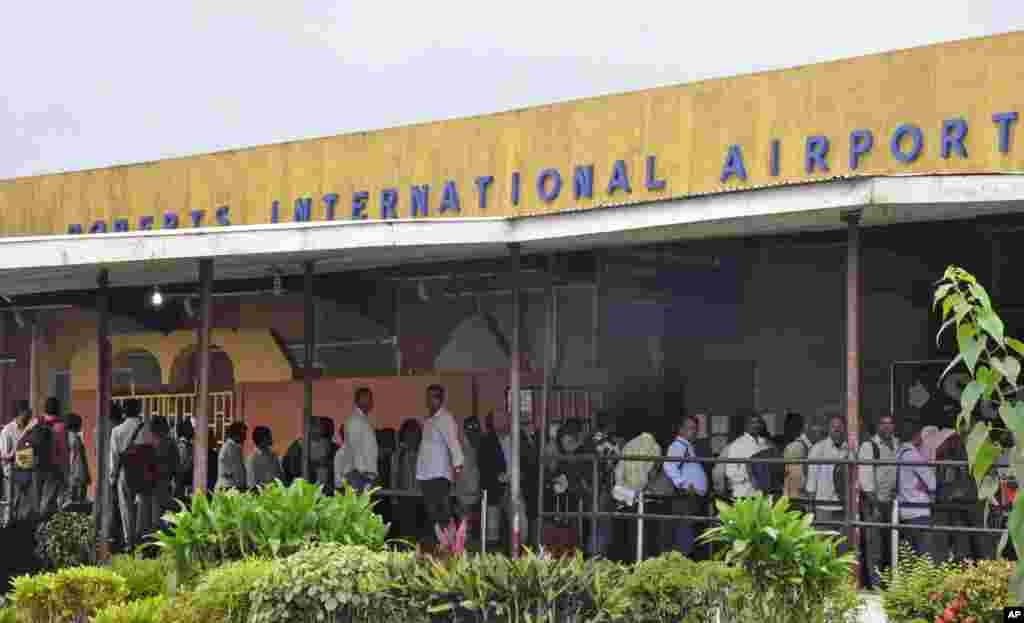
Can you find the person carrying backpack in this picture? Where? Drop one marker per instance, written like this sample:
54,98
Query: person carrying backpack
52,470
878,489
133,472
18,453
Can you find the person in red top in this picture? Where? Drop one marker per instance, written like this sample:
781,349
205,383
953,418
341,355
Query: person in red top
52,480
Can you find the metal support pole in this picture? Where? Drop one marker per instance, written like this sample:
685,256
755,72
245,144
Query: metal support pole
515,488
596,502
640,527
595,329
33,367
545,396
201,441
307,372
853,376
483,522
101,499
895,542
398,329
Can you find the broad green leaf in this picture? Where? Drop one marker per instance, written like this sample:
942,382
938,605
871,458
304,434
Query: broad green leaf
988,487
970,396
991,323
963,308
940,293
1016,345
969,344
1016,529
978,434
1012,415
983,458
947,305
981,295
1009,367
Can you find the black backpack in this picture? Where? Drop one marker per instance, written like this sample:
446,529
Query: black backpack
840,476
767,477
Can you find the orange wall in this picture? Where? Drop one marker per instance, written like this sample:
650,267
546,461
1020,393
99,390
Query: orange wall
279,405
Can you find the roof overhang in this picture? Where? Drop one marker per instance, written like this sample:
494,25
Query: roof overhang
59,263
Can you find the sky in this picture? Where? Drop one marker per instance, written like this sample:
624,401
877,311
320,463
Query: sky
96,84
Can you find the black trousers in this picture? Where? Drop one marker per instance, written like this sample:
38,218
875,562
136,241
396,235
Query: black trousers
437,501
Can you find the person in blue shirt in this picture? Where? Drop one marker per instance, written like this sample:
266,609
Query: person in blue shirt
691,483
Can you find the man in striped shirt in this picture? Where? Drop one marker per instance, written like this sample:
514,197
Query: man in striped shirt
439,462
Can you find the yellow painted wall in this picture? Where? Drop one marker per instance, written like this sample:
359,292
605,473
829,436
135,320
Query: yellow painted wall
254,354
688,128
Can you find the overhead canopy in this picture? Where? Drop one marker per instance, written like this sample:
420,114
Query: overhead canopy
61,263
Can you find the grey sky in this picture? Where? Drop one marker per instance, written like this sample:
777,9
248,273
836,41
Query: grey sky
101,83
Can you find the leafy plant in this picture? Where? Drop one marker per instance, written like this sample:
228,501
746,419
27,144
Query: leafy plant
68,595
66,540
672,588
793,567
8,615
321,582
144,577
982,588
149,610
992,359
224,594
915,588
276,521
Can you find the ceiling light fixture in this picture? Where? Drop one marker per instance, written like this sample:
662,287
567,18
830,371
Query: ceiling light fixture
156,298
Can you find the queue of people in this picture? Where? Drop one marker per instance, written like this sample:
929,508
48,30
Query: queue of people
45,467
441,470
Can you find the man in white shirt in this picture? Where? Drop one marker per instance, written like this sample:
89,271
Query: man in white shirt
744,447
878,489
360,443
439,462
135,508
20,502
821,477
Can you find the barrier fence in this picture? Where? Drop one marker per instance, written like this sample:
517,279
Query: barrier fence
998,516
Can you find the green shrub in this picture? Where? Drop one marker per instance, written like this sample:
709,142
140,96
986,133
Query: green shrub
66,540
793,567
916,587
7,615
984,588
145,577
319,583
673,588
275,521
148,610
493,587
223,594
71,594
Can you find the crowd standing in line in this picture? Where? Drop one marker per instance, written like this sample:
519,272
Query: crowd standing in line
443,469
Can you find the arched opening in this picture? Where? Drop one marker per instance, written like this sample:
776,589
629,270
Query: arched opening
136,371
185,371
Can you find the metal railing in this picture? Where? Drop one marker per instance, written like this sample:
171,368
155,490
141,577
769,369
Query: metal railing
181,406
848,522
